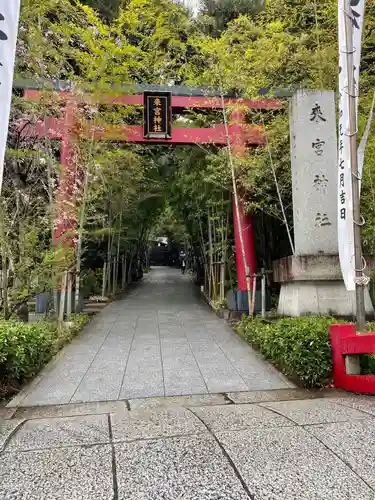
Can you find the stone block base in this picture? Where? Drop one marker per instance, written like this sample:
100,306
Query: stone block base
312,284
326,298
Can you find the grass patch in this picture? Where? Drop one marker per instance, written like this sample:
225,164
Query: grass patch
25,348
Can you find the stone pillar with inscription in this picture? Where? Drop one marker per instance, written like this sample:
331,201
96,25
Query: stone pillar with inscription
311,279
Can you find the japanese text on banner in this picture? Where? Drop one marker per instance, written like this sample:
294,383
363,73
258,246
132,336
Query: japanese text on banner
344,199
9,19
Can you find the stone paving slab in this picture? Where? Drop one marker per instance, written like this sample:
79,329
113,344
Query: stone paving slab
191,468
259,374
279,395
316,411
181,371
7,428
179,401
152,424
143,375
236,417
59,474
17,400
164,451
60,432
361,403
161,339
287,463
96,385
218,372
59,384
6,413
184,383
353,442
72,410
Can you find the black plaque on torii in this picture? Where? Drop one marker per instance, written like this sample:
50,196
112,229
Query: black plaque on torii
157,115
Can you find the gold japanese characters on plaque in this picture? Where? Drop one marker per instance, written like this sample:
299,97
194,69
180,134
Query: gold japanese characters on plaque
157,115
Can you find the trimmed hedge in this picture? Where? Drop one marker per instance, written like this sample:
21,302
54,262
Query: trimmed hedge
299,347
26,347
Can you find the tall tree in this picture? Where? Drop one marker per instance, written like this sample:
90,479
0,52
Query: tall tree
215,15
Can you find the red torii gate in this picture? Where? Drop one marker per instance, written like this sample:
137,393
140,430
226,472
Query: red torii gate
241,136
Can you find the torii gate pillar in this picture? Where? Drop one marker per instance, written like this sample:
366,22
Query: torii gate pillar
240,135
245,221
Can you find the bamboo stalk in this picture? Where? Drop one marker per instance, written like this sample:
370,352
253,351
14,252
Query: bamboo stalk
263,293
254,286
104,281
203,253
5,286
123,272
210,257
79,242
109,251
64,280
69,297
118,247
130,266
4,256
114,284
109,275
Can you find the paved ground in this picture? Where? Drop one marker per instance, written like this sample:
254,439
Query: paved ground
238,433
193,448
161,339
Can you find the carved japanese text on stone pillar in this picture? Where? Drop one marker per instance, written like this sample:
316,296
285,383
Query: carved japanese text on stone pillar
313,158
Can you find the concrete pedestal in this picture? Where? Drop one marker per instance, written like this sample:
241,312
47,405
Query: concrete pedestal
311,280
312,284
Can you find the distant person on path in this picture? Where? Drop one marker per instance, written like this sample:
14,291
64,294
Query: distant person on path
183,261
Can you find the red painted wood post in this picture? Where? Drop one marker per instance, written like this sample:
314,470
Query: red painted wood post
345,342
245,223
66,196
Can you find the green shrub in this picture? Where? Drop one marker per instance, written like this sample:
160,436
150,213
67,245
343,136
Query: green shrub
299,347
26,347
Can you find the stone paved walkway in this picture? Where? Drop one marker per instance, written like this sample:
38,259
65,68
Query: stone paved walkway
160,340
268,445
97,425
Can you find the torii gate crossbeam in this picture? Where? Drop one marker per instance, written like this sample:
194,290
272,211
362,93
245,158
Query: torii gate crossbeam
241,136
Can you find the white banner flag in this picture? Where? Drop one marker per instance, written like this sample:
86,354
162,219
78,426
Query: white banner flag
9,19
345,198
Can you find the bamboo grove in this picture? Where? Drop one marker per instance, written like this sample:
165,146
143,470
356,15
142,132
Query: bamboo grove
127,193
